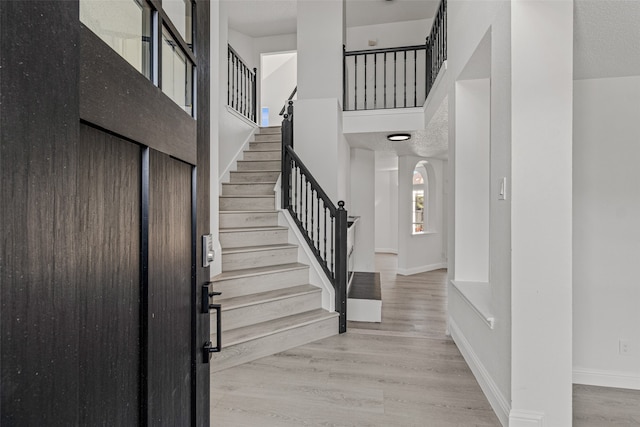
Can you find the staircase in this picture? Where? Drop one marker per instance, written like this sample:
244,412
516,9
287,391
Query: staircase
268,305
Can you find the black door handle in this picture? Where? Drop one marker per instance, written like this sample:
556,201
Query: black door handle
208,346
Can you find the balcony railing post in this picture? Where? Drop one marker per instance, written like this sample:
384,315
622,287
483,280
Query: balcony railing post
287,141
344,77
427,82
254,96
341,266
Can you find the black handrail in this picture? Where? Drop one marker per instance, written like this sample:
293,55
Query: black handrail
323,225
399,69
241,85
284,107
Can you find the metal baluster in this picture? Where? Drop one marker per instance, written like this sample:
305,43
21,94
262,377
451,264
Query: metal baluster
332,246
415,78
228,80
325,233
405,78
295,188
385,80
355,83
300,198
375,80
365,81
395,77
318,224
306,205
312,212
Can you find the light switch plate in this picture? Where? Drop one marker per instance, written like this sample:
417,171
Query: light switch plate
503,189
208,254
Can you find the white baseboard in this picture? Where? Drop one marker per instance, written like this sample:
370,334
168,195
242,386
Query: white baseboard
386,251
421,269
519,418
606,378
497,400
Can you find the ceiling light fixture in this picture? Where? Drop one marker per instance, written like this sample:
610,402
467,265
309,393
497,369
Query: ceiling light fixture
399,137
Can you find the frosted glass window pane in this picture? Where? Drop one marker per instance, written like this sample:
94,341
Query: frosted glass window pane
180,13
177,73
125,25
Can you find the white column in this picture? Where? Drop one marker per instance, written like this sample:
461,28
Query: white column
363,194
541,293
318,138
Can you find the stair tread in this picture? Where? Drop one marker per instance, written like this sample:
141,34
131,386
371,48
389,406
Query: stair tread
248,333
268,296
259,228
255,271
250,183
247,212
245,196
226,251
257,170
259,161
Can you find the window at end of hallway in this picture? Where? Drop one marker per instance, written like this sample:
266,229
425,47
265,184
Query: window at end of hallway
418,201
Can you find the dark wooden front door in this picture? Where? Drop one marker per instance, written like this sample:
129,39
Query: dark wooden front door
104,195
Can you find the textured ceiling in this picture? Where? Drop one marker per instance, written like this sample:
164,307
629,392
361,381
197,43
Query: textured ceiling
260,18
606,38
431,142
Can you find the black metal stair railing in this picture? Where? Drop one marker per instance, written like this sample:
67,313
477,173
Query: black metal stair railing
241,85
437,45
399,77
384,78
323,225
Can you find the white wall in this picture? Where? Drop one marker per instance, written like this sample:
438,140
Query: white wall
386,202
541,209
279,76
243,45
318,136
363,194
216,108
473,147
396,34
606,239
419,252
487,349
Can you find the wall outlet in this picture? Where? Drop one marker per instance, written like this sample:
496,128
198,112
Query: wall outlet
624,346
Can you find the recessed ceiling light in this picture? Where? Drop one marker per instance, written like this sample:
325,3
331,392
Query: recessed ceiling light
399,137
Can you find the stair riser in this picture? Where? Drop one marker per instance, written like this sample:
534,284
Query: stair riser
268,137
251,315
262,155
270,130
264,177
237,220
246,352
269,165
238,261
252,189
261,283
242,239
247,203
266,146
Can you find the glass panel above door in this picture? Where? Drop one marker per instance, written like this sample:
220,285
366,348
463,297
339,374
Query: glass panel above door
125,25
181,14
177,73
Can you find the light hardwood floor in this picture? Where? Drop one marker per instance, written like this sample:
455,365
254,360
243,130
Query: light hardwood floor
402,372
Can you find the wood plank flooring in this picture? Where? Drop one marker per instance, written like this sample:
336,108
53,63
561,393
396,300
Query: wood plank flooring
402,372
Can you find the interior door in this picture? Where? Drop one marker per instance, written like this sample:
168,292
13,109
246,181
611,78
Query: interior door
104,194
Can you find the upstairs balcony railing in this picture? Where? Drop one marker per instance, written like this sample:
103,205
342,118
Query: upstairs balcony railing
241,86
320,221
399,77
